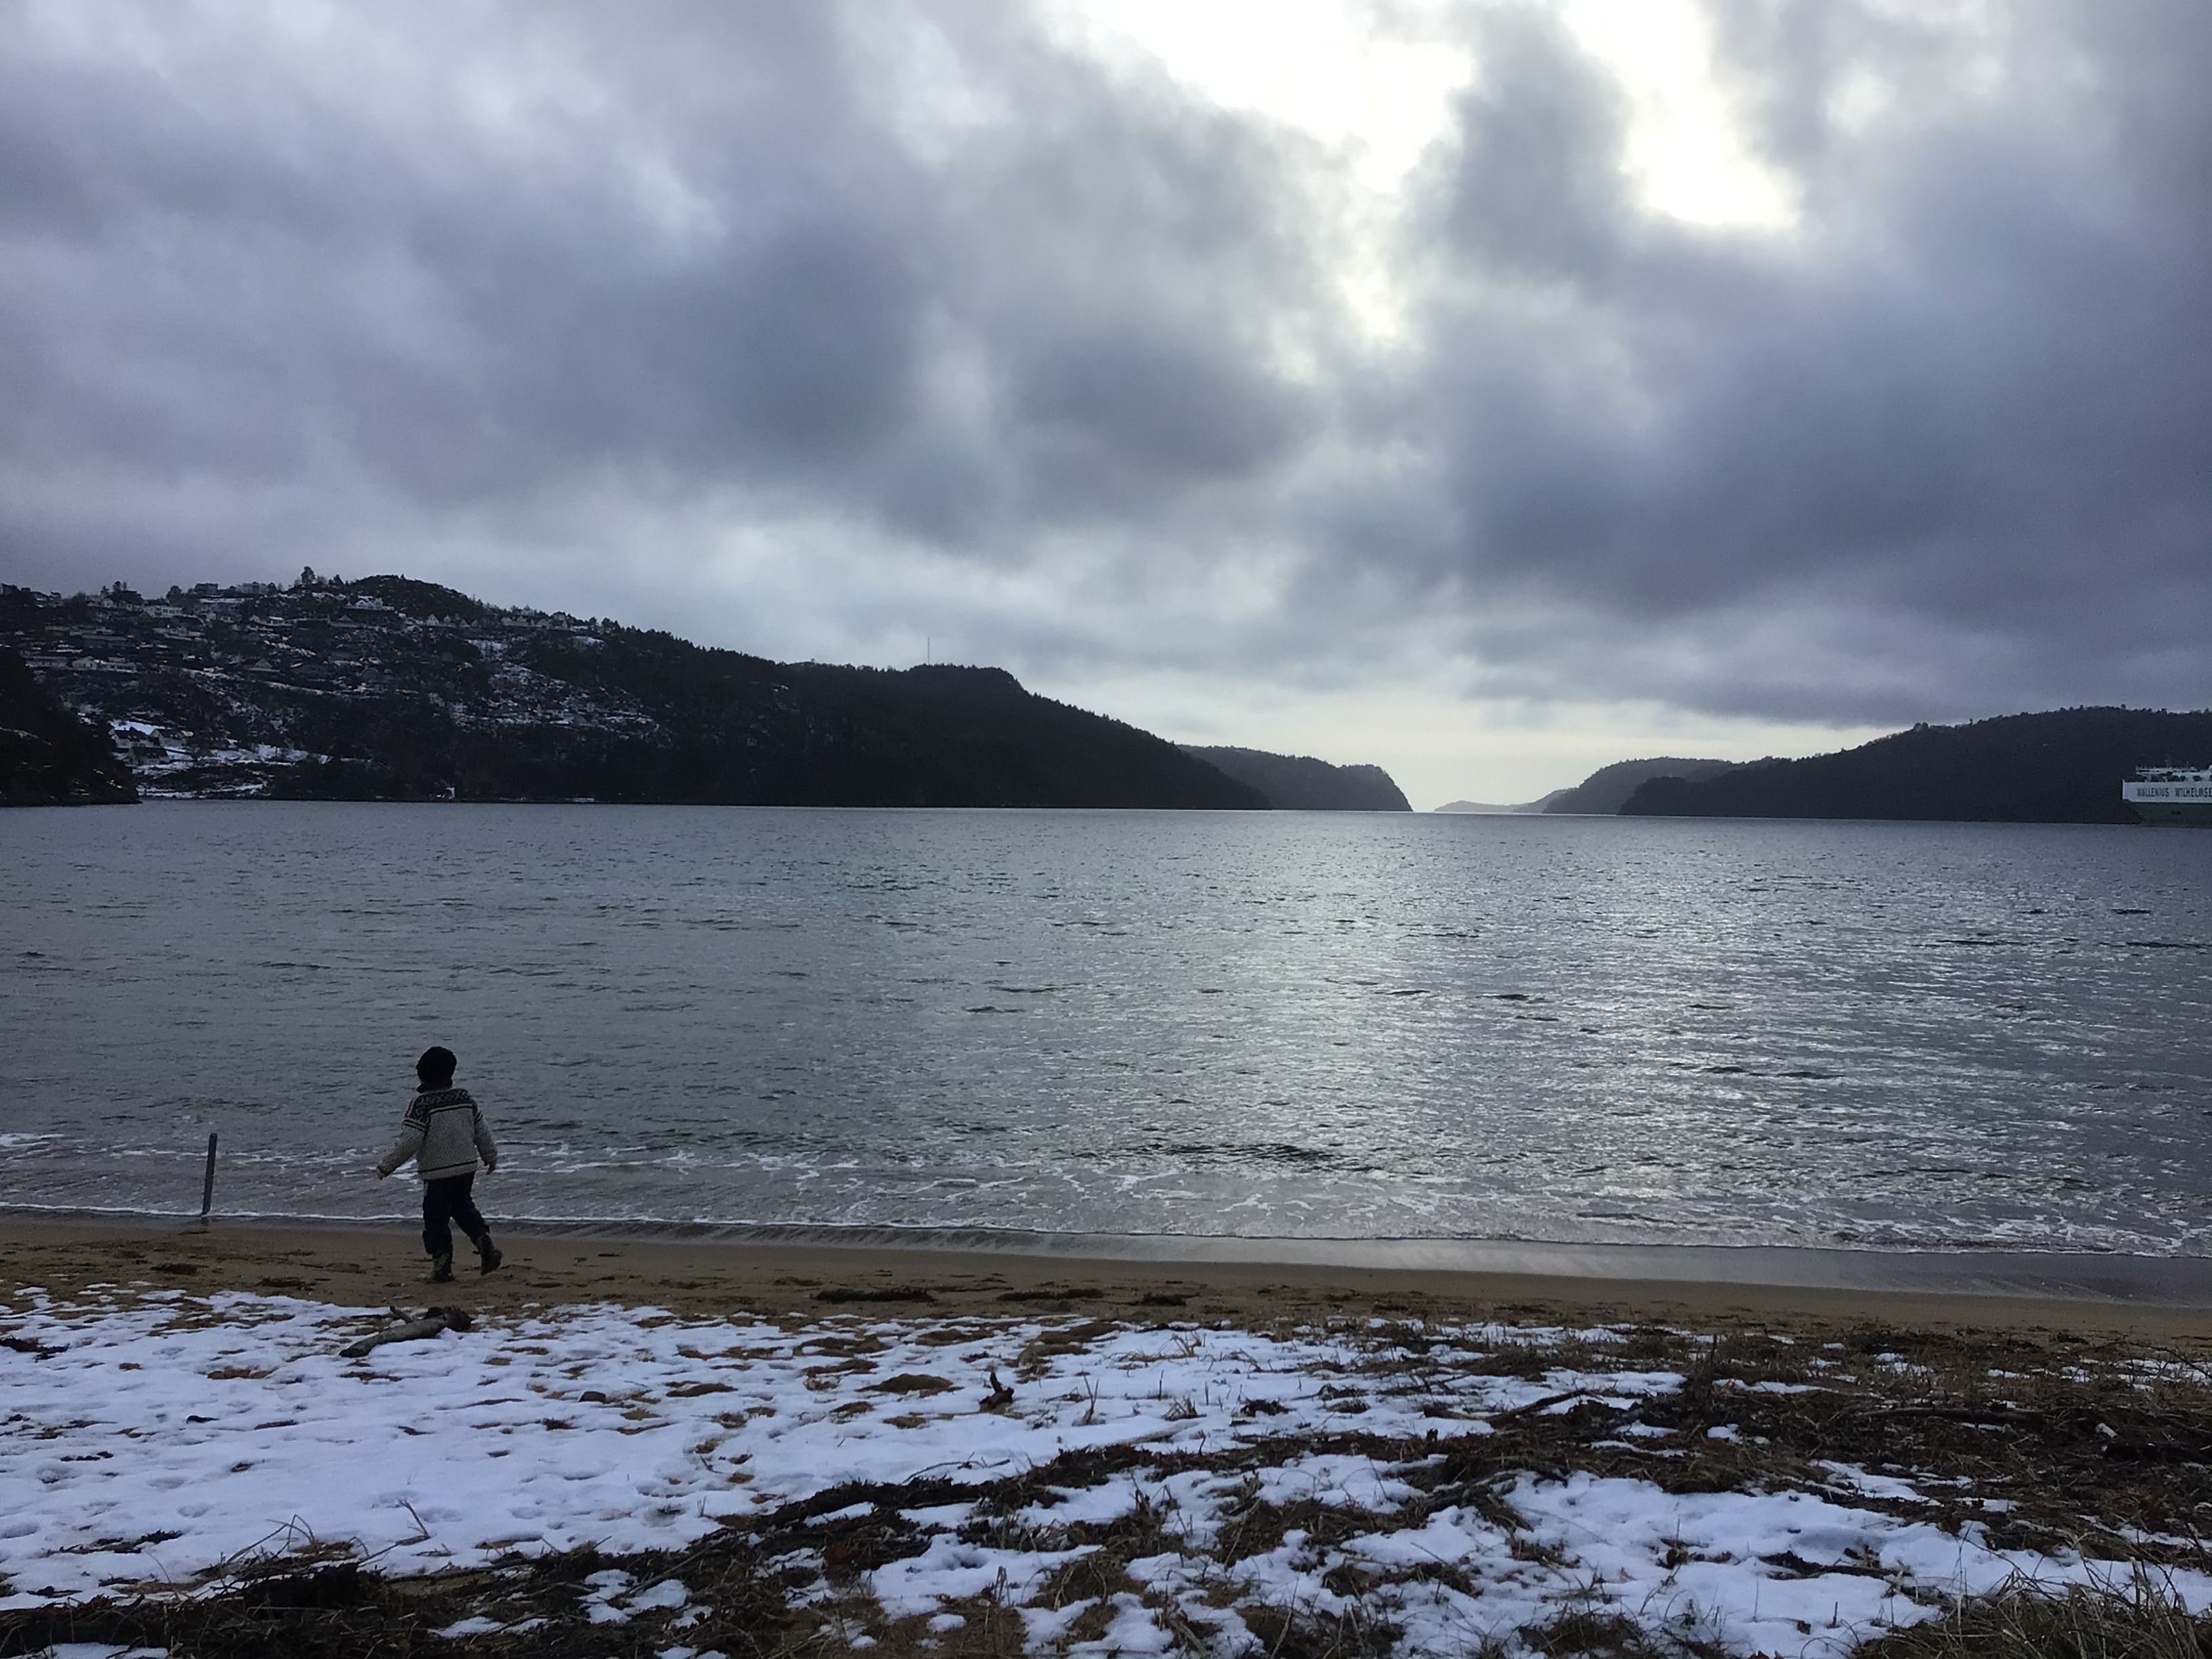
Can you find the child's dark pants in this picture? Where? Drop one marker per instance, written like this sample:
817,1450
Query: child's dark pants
445,1201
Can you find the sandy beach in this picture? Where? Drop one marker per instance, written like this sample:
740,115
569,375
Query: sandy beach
365,1267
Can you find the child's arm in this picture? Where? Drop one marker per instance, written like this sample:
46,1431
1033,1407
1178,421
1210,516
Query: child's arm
409,1144
485,1149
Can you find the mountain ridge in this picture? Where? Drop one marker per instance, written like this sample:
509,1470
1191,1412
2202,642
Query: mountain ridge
390,688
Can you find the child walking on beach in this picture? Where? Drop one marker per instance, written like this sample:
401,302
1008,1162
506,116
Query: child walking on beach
444,1131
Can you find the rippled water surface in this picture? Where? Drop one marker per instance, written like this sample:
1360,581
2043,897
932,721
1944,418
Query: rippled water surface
1267,1025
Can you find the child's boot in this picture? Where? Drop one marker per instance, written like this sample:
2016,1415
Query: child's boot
487,1254
442,1268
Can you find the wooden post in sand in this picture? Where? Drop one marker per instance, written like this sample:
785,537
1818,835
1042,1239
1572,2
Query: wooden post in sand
207,1187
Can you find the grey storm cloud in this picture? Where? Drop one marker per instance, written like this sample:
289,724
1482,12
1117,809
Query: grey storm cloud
1959,410
1943,447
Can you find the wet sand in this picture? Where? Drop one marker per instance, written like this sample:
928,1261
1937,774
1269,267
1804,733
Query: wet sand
2163,1304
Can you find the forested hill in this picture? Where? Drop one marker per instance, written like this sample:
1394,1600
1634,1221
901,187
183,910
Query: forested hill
48,756
391,689
1301,783
2062,767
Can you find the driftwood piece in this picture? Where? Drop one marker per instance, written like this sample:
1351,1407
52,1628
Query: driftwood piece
435,1322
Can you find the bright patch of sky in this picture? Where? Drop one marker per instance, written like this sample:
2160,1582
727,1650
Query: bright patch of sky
1379,83
1348,76
1685,149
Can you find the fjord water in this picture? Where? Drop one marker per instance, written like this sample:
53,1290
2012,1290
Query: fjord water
1268,1025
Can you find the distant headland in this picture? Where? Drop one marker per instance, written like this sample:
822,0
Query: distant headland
2063,766
1301,783
1605,791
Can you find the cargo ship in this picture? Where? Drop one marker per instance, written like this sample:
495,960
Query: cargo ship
2171,794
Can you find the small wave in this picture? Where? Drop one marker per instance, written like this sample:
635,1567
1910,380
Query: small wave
1246,1154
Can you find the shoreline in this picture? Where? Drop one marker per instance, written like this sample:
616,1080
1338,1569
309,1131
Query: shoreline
2161,1300
2176,1281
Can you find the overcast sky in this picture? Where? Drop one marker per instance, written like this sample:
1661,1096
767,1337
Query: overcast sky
1491,390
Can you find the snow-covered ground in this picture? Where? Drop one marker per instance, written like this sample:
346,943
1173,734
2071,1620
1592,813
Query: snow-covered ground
146,1441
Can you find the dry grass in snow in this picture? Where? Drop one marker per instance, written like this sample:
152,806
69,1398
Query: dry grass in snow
208,1476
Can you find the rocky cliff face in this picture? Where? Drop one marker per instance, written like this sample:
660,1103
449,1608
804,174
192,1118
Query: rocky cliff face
388,688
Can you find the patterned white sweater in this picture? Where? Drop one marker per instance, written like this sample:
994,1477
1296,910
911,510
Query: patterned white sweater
443,1131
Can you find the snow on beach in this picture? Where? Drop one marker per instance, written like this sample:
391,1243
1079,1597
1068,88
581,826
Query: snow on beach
149,1441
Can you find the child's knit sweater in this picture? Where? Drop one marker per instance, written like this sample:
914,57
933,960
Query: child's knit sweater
443,1132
